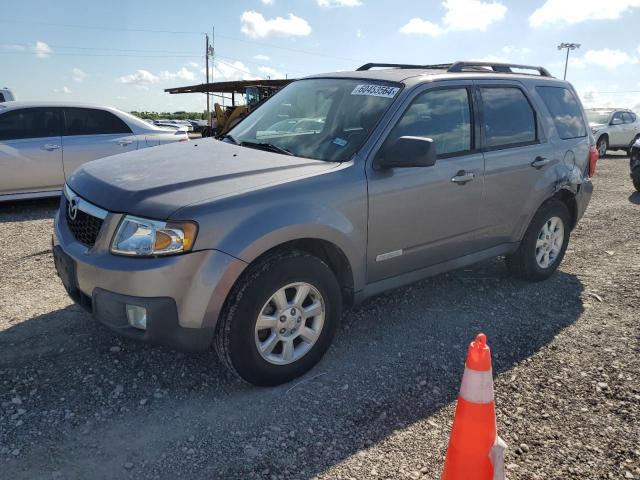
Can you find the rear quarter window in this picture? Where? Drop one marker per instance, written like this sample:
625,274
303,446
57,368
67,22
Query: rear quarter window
565,111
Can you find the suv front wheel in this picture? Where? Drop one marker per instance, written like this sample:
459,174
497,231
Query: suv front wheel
280,318
544,244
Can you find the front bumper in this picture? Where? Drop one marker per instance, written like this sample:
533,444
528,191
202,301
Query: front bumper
183,294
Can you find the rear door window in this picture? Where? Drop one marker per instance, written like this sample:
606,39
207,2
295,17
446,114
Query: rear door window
565,111
90,121
441,115
508,118
29,123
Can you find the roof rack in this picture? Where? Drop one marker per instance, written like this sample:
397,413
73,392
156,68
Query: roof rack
369,66
459,67
496,67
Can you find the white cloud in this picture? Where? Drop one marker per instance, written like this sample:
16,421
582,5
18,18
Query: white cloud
263,58
575,11
606,58
460,15
229,71
267,2
359,34
270,72
79,76
41,49
339,3
141,77
182,74
511,50
14,47
256,26
417,26
64,90
193,64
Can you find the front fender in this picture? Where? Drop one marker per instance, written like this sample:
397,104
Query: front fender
282,223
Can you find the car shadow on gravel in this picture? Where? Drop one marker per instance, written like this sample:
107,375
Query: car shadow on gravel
397,360
26,210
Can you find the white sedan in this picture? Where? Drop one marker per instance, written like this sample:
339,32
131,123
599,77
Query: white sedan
41,143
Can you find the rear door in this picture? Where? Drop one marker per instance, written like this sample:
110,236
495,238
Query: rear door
30,151
421,216
91,133
518,159
629,128
617,133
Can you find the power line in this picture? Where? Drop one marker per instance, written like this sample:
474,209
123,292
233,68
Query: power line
73,54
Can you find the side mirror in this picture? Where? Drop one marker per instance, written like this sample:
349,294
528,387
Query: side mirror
616,121
406,152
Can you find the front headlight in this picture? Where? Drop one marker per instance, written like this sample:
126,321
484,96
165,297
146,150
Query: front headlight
144,238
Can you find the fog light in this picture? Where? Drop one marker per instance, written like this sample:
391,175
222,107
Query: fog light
137,316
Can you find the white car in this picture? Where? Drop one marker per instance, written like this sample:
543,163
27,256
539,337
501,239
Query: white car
613,129
6,95
41,143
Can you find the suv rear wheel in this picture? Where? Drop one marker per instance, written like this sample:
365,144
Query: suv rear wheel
280,319
544,244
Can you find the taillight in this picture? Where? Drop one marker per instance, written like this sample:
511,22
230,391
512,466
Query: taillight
593,159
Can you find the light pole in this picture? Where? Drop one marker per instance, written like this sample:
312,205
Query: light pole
568,46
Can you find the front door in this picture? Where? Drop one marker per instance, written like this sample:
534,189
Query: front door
30,151
421,216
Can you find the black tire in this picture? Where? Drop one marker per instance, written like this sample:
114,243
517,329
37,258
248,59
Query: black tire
602,145
235,333
522,263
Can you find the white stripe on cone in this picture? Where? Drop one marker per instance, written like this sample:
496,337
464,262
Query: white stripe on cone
477,387
496,455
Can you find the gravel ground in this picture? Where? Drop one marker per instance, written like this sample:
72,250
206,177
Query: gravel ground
78,402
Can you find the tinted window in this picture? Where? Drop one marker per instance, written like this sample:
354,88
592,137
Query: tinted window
565,111
442,115
29,123
627,118
508,117
1,97
88,121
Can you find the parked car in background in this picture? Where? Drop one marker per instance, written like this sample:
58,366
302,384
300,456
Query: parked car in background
613,129
255,243
6,95
634,164
42,143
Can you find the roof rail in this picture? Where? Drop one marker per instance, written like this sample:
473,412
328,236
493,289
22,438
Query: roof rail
496,67
369,66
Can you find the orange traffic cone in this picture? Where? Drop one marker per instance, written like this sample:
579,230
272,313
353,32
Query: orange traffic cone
475,451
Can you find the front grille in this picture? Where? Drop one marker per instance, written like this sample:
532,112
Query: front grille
85,227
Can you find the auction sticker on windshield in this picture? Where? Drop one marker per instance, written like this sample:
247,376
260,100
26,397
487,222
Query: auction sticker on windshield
375,91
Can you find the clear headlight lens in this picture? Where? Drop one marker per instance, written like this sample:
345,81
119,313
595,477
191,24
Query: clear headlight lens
144,238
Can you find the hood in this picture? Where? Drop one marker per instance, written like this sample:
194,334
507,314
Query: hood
155,182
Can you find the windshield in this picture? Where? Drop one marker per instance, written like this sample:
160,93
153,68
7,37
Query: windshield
325,119
598,117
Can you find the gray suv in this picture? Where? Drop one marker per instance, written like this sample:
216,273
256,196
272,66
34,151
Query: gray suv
256,243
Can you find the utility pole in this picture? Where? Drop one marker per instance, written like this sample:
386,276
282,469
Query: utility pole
569,47
206,61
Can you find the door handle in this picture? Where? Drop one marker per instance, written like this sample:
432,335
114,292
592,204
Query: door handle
540,162
463,177
124,143
50,147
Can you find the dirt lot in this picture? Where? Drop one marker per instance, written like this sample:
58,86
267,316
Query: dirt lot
79,402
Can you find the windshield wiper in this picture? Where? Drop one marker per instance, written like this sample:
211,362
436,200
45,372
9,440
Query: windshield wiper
229,137
267,146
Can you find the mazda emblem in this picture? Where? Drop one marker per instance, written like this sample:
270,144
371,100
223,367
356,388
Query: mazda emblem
72,209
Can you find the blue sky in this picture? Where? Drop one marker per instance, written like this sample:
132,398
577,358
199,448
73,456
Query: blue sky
124,53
